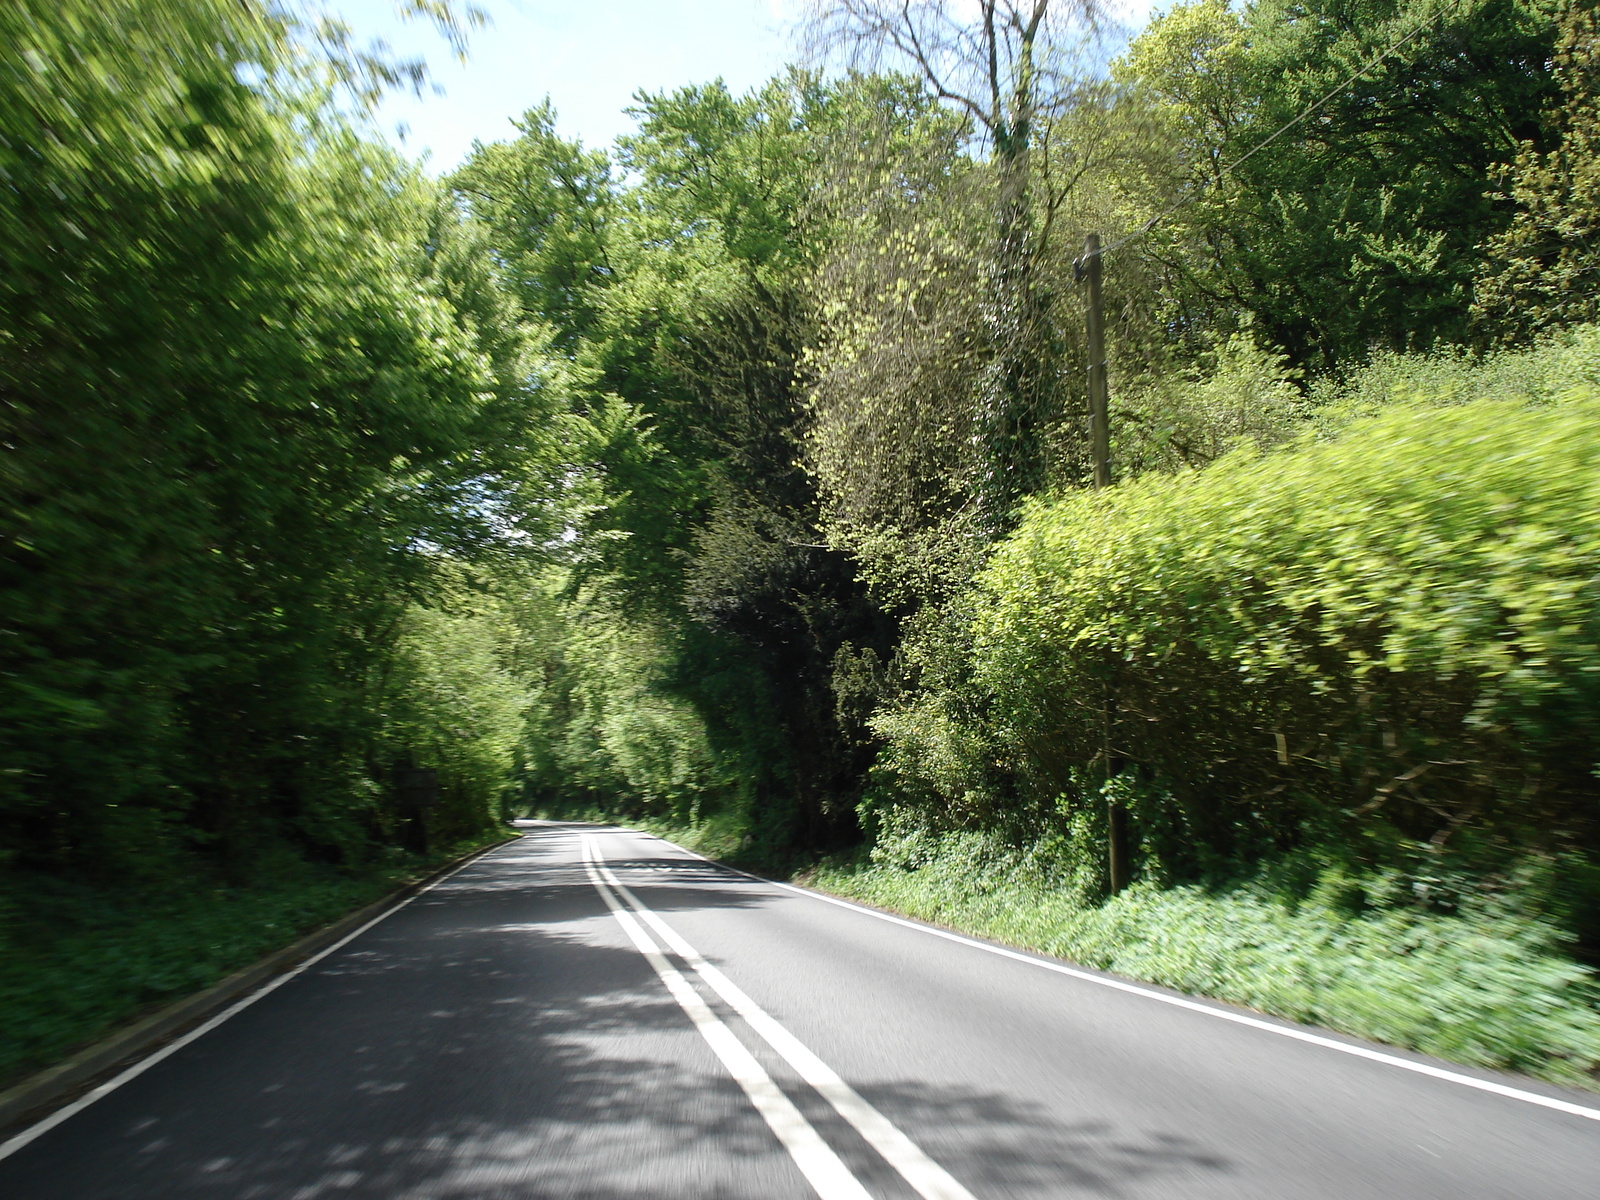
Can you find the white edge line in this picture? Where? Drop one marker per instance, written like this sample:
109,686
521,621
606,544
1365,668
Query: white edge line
17,1142
1222,1014
817,1161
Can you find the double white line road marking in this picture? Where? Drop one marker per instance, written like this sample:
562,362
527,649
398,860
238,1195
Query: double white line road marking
815,1158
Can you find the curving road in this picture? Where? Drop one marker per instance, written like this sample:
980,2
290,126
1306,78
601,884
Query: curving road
591,1013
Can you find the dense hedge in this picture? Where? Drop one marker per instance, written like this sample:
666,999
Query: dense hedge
1399,626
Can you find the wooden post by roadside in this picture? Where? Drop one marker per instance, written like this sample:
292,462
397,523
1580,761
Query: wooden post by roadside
1099,389
1089,268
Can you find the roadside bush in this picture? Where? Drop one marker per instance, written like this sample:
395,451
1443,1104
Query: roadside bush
1543,372
1489,985
1401,625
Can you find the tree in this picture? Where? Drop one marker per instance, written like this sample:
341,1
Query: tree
1002,69
728,183
549,204
903,348
1360,227
907,348
699,523
257,404
1544,270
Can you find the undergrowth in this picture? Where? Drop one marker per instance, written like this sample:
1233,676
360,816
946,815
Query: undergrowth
1491,983
1485,986
77,961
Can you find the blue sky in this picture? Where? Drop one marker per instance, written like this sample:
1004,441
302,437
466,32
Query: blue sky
589,56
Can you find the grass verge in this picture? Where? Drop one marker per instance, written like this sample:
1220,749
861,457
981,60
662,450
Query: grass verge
1486,986
1480,987
76,962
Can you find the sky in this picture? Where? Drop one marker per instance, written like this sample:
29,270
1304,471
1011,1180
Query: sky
588,56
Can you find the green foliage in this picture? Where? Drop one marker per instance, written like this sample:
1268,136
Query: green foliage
1541,271
701,613
897,366
549,203
728,170
1397,624
1361,226
260,401
1489,987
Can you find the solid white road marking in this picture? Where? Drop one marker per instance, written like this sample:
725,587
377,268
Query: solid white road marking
1221,1014
929,1179
29,1134
815,1158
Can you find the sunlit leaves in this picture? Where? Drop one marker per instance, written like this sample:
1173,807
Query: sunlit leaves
259,402
1542,270
1399,619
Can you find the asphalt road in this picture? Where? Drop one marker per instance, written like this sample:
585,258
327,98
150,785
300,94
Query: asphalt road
542,1024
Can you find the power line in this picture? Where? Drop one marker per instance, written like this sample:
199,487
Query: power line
1283,129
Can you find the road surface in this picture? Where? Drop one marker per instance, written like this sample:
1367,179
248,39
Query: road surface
592,1013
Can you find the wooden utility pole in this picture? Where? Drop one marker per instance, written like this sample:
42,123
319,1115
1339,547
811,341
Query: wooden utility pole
1099,390
1088,268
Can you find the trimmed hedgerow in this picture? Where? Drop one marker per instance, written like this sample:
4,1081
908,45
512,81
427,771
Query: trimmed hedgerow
1397,626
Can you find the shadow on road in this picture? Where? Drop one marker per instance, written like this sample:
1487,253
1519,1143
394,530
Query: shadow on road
499,1039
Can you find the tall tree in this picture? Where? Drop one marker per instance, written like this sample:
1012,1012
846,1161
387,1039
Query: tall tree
1340,159
255,407
549,202
1544,270
1000,66
701,524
